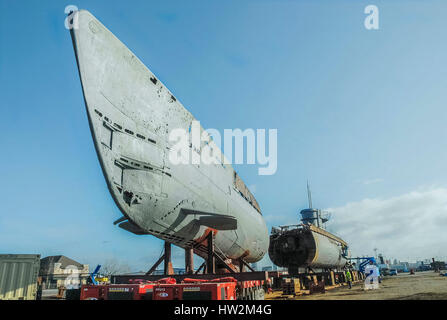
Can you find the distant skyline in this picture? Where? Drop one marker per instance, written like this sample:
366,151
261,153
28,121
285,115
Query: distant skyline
360,113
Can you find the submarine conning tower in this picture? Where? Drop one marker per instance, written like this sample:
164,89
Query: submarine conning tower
314,217
310,216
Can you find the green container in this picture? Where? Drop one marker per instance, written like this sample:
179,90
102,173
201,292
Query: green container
18,276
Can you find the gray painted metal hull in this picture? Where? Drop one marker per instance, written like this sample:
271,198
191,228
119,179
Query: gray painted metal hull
130,114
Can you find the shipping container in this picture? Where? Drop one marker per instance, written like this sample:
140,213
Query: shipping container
18,276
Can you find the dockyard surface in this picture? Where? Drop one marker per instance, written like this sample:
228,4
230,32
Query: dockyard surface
427,285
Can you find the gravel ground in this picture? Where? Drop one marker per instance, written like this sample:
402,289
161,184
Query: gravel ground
420,286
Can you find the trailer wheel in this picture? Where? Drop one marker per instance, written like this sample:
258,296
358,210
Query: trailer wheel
260,294
252,294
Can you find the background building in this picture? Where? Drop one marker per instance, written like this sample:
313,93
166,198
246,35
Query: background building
59,271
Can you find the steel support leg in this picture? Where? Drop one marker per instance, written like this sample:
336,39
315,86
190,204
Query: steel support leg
211,261
155,265
189,261
168,270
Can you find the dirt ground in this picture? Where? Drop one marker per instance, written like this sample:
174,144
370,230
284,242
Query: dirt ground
420,286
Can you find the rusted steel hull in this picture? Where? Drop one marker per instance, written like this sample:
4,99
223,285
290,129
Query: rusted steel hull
307,246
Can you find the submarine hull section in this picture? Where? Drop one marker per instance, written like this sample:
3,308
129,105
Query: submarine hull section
307,247
131,114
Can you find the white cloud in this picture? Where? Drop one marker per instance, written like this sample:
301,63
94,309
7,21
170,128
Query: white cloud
410,226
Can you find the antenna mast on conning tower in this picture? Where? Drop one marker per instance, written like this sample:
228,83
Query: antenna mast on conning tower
309,195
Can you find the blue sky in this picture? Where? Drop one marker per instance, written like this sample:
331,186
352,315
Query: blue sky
359,113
